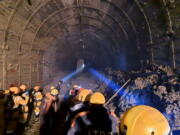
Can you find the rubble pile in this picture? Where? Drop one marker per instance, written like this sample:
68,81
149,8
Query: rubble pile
157,86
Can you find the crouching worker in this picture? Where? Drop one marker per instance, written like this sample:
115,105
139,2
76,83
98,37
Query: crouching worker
96,121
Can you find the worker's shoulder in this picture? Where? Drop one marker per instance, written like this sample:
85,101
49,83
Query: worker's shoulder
79,115
113,116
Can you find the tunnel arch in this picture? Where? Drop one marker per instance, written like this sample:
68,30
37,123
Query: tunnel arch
27,25
44,4
101,31
24,26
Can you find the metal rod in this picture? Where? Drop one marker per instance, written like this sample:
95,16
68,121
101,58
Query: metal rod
173,55
115,94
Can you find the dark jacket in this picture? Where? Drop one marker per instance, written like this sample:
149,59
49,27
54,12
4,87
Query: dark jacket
97,121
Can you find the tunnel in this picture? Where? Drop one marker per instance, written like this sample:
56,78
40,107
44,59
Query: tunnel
43,40
42,37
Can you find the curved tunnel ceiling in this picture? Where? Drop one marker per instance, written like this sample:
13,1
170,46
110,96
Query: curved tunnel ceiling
113,31
44,22
46,19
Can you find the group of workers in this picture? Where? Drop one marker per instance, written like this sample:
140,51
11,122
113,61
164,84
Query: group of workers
87,115
20,103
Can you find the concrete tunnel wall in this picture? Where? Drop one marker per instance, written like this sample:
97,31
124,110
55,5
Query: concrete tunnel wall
30,35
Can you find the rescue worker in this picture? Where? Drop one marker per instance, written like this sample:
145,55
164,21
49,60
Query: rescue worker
49,109
24,107
144,120
51,99
96,121
33,126
9,103
13,118
81,100
82,104
37,99
75,89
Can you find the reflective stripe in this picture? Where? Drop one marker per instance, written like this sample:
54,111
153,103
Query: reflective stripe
78,115
113,114
117,120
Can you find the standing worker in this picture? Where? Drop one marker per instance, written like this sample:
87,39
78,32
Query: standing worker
49,109
13,118
52,99
81,104
37,99
96,121
33,126
24,107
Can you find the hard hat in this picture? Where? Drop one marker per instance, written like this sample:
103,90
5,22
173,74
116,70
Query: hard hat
23,87
37,110
52,87
83,94
39,96
15,90
76,86
6,91
54,92
144,120
97,98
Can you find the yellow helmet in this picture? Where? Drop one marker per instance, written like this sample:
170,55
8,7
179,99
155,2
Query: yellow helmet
23,87
76,87
82,95
15,90
37,110
52,87
97,98
144,120
6,91
54,92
